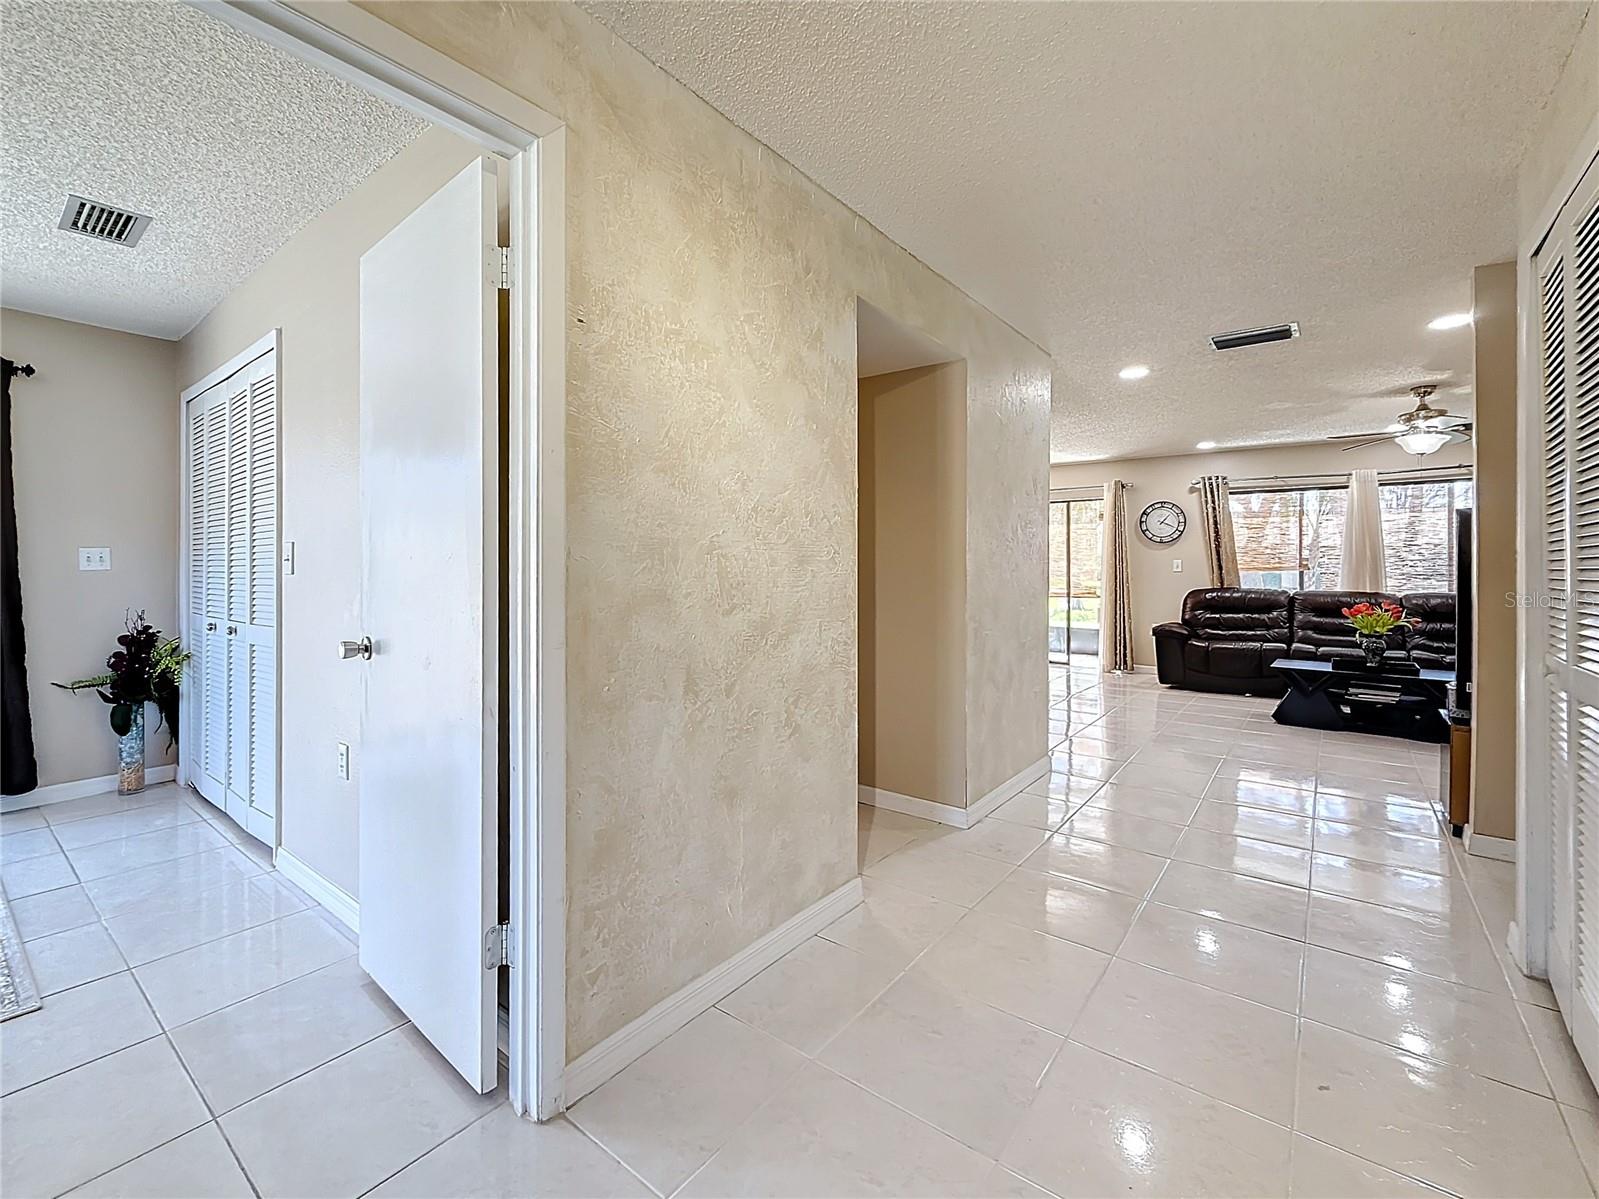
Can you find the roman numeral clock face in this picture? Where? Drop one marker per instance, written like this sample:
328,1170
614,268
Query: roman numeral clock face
1163,522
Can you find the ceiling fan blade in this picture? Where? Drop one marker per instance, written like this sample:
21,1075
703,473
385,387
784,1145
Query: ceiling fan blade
1360,445
1380,436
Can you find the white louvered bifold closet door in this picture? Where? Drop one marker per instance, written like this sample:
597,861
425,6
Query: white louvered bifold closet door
1568,608
233,555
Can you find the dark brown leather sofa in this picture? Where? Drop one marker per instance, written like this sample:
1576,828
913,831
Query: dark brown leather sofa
1228,637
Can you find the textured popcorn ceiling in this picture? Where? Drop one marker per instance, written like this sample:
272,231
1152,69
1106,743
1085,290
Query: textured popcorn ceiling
230,144
1122,180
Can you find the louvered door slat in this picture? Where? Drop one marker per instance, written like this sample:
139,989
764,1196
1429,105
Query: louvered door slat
263,761
216,511
238,526
1556,506
1583,384
263,598
1585,769
196,511
1561,839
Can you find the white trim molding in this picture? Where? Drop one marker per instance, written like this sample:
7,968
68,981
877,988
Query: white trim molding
101,784
949,814
633,1040
943,813
1501,849
339,902
1009,789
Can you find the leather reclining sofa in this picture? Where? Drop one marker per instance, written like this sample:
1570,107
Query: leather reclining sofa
1228,637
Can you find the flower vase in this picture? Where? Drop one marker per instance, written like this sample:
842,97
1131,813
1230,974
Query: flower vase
130,756
1374,647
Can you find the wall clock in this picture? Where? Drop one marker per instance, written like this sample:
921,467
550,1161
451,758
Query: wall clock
1163,522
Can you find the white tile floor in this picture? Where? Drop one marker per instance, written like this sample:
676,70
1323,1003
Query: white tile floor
1206,956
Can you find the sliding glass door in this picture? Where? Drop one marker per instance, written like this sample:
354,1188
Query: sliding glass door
1076,529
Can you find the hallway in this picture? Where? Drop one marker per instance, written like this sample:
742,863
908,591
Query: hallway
1207,956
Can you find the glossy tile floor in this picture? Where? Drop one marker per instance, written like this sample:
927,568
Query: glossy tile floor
207,1032
1205,956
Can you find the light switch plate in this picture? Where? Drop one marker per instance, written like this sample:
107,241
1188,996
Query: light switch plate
1177,566
344,761
94,558
288,558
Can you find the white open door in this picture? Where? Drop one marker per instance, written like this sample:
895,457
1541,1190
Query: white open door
429,511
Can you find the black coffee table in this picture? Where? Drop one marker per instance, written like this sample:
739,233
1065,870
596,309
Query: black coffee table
1370,700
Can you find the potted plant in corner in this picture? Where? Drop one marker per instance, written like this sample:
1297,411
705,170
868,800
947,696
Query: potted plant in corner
1373,623
144,669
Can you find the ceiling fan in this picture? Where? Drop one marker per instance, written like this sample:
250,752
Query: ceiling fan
1420,431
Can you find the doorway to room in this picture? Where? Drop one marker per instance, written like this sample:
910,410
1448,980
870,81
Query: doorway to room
1076,572
911,568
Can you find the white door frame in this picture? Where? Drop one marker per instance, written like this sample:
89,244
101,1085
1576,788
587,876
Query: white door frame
1529,935
269,343
367,51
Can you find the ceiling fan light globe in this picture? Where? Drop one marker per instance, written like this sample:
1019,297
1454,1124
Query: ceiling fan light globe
1422,441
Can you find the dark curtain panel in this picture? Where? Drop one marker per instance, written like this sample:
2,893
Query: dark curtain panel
19,772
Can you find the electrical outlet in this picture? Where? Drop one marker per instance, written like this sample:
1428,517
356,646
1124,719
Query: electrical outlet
1177,566
97,558
344,761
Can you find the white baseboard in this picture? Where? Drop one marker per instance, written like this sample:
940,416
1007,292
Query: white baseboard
1009,789
632,1041
949,814
339,902
1501,849
80,789
943,813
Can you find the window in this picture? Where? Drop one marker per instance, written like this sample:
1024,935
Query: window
1418,534
1289,539
1075,531
1293,540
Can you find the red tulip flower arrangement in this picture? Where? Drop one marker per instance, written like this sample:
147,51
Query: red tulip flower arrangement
1373,623
1378,620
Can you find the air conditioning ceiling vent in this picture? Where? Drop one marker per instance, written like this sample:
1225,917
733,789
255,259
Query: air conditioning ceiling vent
1240,338
105,222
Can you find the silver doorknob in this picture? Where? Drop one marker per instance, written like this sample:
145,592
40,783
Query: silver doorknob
356,649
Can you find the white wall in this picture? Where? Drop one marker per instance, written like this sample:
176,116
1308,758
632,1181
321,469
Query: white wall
1157,592
95,451
310,289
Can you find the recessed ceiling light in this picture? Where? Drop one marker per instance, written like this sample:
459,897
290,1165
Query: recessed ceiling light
1453,320
1134,372
1206,445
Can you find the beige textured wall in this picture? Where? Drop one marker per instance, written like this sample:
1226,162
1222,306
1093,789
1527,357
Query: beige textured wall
95,450
310,289
711,465
1493,738
912,582
1157,591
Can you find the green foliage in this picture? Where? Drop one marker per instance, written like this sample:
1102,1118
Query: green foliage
143,669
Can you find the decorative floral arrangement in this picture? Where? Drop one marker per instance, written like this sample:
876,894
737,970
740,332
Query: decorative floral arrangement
1378,620
144,668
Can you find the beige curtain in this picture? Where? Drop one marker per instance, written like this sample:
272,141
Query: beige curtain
1216,525
1364,566
1116,608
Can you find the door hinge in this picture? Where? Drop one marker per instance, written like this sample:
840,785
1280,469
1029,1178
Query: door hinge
497,947
501,267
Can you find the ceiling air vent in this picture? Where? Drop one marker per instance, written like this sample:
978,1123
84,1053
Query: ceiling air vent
1240,338
94,219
